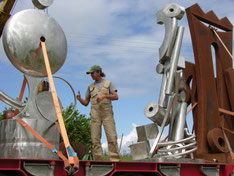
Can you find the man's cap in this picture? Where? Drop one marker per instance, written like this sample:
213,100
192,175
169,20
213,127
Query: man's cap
94,68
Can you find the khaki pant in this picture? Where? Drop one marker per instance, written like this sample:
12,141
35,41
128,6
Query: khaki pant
102,113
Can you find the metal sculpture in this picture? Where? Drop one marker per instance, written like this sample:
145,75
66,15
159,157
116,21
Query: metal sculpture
212,94
22,38
171,66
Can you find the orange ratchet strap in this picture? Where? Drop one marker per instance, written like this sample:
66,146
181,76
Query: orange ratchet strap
21,94
53,149
72,157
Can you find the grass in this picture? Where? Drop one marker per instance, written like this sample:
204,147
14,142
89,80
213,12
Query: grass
122,157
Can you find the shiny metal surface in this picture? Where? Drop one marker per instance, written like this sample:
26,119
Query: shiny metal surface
17,142
178,148
163,97
155,113
21,40
140,150
10,101
179,123
174,60
45,105
168,16
151,153
31,110
147,132
42,4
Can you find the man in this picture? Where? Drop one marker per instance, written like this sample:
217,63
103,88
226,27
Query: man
101,93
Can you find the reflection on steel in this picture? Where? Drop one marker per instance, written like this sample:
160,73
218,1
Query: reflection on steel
163,97
189,138
178,148
17,142
45,105
210,92
42,4
179,123
174,61
10,101
21,41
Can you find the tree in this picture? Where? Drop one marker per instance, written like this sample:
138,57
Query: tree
6,109
78,126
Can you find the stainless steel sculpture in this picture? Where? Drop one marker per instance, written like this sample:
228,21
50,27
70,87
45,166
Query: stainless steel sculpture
42,4
171,66
21,40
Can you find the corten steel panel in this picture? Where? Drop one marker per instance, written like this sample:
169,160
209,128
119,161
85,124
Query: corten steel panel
229,79
191,89
212,93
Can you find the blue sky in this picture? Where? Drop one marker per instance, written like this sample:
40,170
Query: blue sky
121,36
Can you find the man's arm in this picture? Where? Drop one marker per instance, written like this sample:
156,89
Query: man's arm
113,96
85,101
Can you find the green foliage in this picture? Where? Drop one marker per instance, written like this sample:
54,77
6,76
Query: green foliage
6,109
78,126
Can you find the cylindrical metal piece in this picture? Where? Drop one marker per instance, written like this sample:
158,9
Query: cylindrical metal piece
178,127
160,68
155,113
42,4
163,97
174,60
21,38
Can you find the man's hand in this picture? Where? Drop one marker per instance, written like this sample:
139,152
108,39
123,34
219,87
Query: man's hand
100,98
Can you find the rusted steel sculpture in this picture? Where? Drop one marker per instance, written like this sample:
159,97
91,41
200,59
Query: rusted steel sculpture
211,92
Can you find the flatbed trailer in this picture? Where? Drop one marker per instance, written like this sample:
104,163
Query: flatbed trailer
26,167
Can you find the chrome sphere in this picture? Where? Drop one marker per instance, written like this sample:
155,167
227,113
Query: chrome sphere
21,38
42,4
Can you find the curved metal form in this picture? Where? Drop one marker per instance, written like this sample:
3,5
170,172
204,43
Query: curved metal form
42,4
10,101
168,16
178,148
21,40
74,94
179,141
45,105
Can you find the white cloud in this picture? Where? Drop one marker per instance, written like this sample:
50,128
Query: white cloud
127,140
121,36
